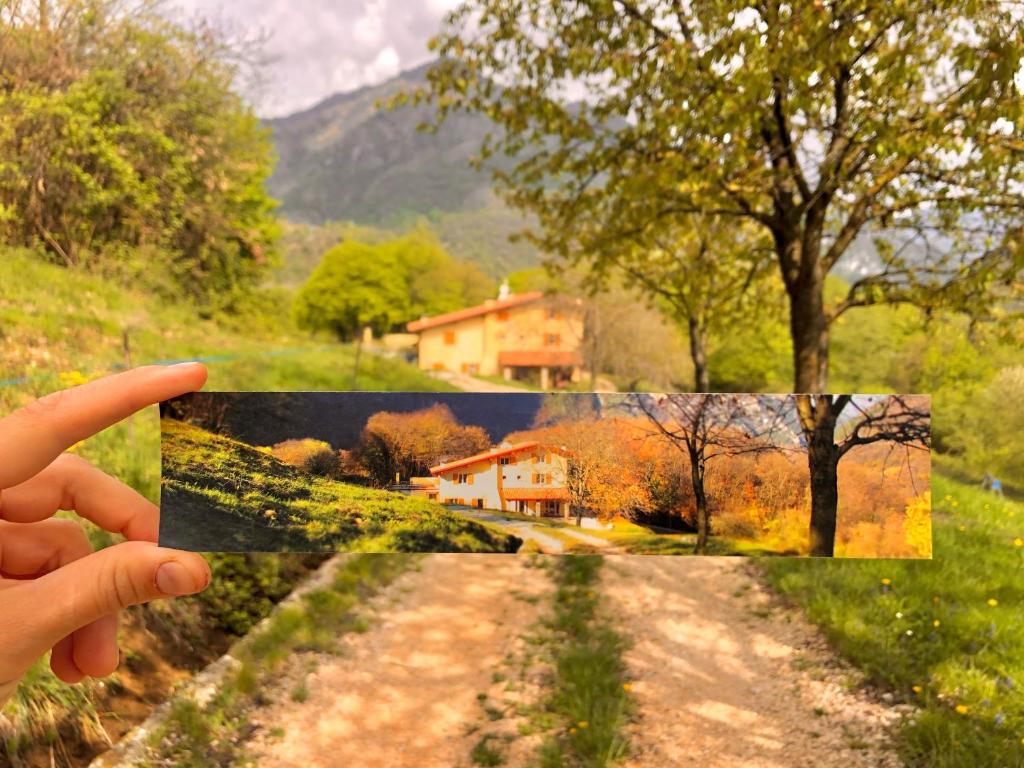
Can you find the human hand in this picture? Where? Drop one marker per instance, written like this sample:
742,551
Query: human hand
55,592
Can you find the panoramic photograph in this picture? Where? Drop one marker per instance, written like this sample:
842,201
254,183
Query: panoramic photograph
441,265
719,474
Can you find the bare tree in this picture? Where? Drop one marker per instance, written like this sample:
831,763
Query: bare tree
707,426
903,420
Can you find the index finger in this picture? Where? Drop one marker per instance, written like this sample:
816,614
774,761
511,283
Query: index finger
32,437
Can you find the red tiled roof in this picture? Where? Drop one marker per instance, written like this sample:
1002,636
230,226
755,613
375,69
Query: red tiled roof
527,358
491,454
481,309
536,494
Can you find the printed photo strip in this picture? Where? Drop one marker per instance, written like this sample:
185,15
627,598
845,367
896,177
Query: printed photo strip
638,473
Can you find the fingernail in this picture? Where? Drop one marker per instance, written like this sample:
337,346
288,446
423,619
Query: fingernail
185,364
174,579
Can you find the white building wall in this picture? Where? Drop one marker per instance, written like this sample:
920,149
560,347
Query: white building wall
484,485
519,474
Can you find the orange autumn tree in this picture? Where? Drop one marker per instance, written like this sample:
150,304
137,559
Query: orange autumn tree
408,444
604,472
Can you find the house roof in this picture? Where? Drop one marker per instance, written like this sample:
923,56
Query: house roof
491,305
494,453
536,494
527,358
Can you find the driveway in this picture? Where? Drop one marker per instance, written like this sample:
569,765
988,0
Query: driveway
533,531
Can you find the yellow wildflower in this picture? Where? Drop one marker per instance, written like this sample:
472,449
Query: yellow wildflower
1018,542
962,709
582,724
936,623
627,687
572,730
917,689
887,582
992,602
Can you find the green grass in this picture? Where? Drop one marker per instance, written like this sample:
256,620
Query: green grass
487,752
946,634
213,734
61,327
225,476
589,693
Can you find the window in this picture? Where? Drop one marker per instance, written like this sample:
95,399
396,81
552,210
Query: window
462,478
449,338
505,461
552,339
539,478
438,366
553,314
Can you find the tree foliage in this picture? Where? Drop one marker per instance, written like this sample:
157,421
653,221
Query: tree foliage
125,147
817,122
386,284
409,444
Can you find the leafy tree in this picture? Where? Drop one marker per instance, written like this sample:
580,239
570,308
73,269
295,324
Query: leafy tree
821,123
991,437
409,444
705,272
125,147
437,283
355,286
385,284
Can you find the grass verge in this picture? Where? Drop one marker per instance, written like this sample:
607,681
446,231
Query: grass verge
194,736
589,691
946,634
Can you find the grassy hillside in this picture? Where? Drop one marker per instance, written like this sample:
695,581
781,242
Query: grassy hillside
215,475
946,635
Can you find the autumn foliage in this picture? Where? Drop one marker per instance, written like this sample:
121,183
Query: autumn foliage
408,444
763,498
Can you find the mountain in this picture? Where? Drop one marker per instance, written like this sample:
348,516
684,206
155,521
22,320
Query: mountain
348,158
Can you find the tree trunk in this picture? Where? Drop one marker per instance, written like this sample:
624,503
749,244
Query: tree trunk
701,501
823,462
699,354
808,327
355,363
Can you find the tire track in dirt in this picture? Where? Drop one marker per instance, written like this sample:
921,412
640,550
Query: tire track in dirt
723,675
404,693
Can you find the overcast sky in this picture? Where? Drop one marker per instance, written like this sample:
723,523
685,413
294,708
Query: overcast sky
316,48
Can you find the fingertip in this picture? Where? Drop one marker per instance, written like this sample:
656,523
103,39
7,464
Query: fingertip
95,651
184,573
194,373
62,662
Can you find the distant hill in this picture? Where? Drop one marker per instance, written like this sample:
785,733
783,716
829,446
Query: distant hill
347,159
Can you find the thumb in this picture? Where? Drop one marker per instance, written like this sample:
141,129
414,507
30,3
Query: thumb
106,581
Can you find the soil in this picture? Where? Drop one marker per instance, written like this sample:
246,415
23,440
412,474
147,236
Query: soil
723,674
408,692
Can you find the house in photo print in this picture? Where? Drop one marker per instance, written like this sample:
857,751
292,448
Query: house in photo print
526,336
522,477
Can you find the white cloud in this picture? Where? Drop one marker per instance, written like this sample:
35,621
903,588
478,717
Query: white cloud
387,64
317,48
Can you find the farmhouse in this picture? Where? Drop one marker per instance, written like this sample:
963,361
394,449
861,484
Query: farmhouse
527,336
524,477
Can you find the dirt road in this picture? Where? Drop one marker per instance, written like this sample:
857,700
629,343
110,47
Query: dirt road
725,676
404,693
